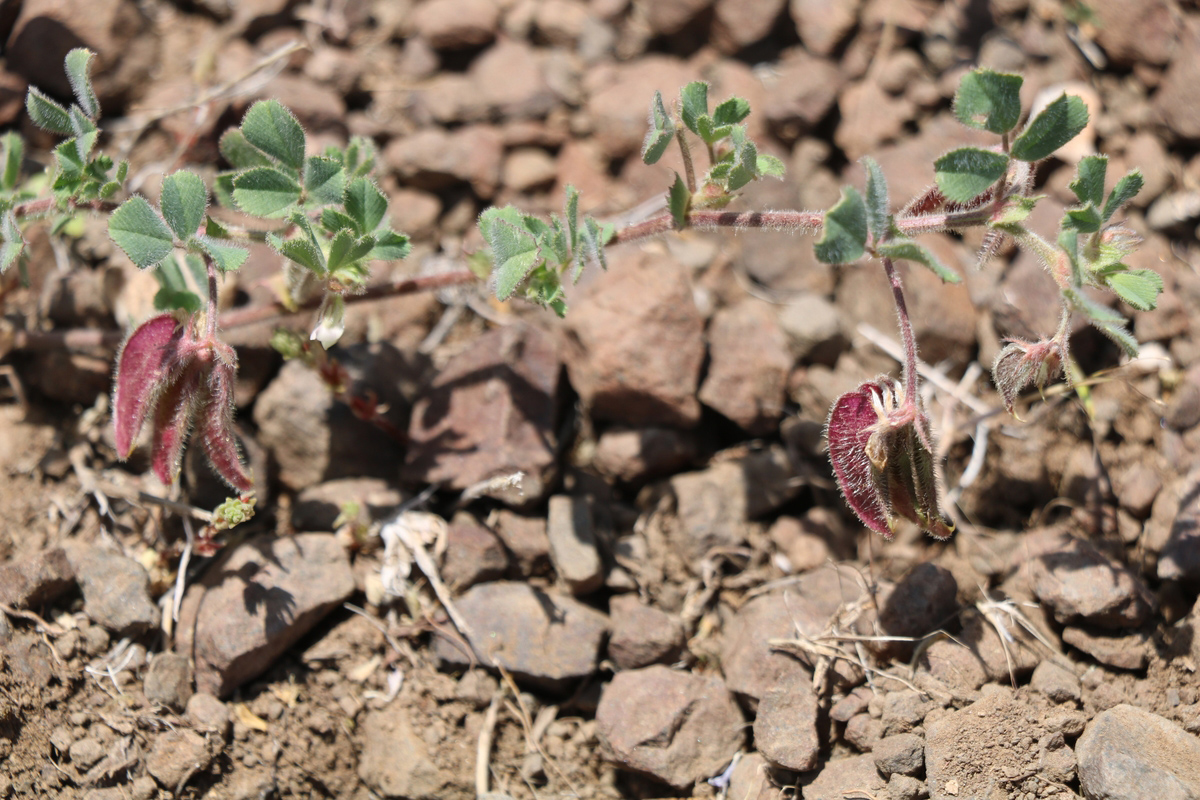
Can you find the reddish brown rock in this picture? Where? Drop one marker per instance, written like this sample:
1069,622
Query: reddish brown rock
1130,34
738,23
37,579
670,16
511,83
434,159
1177,102
841,777
823,25
785,724
255,602
492,411
642,298
676,727
801,91
633,455
473,554
620,96
748,366
526,539
642,635
455,24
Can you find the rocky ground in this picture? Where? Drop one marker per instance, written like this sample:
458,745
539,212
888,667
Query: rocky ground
674,602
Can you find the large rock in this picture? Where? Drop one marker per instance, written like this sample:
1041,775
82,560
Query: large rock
642,635
492,411
1143,33
256,601
434,159
676,727
785,725
455,24
823,25
116,590
641,299
37,579
748,366
843,777
544,640
620,96
1127,753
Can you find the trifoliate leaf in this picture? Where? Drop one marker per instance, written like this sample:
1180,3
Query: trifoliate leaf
1139,288
140,232
1057,124
300,250
989,101
515,252
265,192
274,130
345,248
845,233
965,173
183,202
390,246
1084,220
227,257
731,112
238,151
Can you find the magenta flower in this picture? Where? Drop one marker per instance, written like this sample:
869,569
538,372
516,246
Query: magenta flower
166,370
879,448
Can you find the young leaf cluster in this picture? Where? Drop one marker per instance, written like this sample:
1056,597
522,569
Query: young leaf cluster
530,252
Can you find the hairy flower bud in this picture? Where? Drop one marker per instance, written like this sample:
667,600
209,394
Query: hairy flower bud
880,459
1021,364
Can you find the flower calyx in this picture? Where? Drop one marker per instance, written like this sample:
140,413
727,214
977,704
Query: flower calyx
1021,364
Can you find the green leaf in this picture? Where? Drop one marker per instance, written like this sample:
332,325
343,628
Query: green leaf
1122,193
592,239
265,192
694,104
1059,123
14,154
227,257
989,101
182,299
1120,335
571,215
878,212
12,241
334,220
274,130
183,202
965,173
345,248
300,250
1095,312
515,253
140,232
731,112
1084,220
79,73
1016,210
365,203
324,180
239,152
359,157
553,242
906,250
710,132
390,246
1068,240
1088,185
678,201
770,165
845,232
745,159
662,129
47,114
1139,288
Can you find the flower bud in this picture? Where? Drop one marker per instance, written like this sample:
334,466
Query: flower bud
1021,364
331,321
881,461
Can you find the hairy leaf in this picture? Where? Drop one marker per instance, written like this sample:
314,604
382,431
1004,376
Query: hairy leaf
47,114
365,203
878,212
845,233
265,192
1088,185
273,129
965,173
1122,193
1139,288
390,246
238,151
227,257
183,202
678,201
989,100
905,250
79,73
693,104
14,153
731,112
11,243
660,133
140,232
324,180
1059,123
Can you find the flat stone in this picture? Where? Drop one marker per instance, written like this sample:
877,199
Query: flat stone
474,554
823,25
455,24
491,412
396,761
748,366
1056,682
1145,34
116,590
921,602
1131,651
526,539
544,640
634,455
1127,753
255,602
641,298
751,780
572,536
785,725
814,328
738,23
675,727
36,579
642,635
176,754
901,753
1079,583
955,665
435,159
620,95
841,777
316,508
169,680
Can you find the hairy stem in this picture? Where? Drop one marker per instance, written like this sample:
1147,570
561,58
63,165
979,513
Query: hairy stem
212,297
688,170
909,340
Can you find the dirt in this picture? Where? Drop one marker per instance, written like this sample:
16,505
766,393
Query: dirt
361,705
